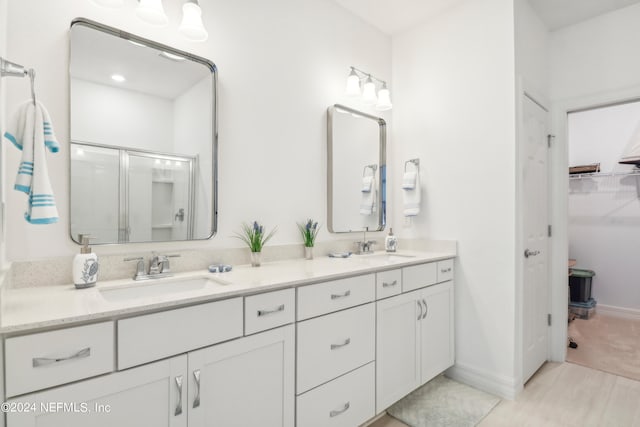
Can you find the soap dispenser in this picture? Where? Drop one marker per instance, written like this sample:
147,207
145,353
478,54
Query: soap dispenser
390,242
85,265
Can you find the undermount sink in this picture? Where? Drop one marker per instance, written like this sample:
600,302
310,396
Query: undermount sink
157,287
390,257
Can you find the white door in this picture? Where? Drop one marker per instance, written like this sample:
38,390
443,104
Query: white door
245,382
437,330
150,395
397,348
534,149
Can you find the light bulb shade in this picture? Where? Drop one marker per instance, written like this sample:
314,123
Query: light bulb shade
384,99
192,27
369,93
109,3
152,12
353,84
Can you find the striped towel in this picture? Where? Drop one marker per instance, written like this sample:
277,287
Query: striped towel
30,130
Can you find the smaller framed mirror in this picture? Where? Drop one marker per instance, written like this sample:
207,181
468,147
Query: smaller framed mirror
356,170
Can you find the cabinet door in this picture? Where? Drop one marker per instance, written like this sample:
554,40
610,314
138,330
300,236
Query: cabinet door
397,348
437,330
246,382
145,396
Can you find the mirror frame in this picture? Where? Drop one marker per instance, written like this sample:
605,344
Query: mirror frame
382,166
214,118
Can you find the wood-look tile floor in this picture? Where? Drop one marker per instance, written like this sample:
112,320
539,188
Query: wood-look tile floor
564,395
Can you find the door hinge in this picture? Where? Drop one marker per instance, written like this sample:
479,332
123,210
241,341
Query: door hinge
549,138
549,319
549,230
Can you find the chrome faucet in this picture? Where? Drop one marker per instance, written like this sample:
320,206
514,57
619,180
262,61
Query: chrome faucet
365,246
158,267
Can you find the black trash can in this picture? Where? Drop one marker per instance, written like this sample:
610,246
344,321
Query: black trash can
580,283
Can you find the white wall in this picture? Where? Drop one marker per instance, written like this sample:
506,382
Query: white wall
532,50
604,213
281,64
107,115
192,132
454,108
596,56
3,118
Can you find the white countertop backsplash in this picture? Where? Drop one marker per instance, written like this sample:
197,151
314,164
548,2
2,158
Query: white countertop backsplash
39,294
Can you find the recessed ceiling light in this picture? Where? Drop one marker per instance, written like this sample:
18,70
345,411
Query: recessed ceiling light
172,56
118,78
135,43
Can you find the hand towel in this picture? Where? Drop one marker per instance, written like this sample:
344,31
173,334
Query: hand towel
31,131
409,180
366,183
368,202
411,198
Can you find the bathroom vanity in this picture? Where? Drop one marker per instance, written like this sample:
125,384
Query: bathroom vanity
327,342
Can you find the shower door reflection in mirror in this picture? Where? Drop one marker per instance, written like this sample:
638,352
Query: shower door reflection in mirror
143,196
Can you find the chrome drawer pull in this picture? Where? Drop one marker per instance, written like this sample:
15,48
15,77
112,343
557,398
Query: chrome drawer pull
445,270
196,376
388,285
44,361
336,346
420,307
338,296
335,413
426,309
266,312
178,410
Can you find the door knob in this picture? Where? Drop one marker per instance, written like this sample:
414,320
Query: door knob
528,253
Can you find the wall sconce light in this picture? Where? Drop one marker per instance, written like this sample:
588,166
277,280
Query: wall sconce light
152,12
381,100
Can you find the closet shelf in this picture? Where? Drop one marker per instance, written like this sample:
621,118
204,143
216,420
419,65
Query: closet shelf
603,175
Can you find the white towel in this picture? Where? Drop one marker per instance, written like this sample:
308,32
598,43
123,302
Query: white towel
367,182
31,130
409,180
411,198
368,202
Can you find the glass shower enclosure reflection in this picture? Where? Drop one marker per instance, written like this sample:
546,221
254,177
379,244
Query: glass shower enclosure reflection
123,195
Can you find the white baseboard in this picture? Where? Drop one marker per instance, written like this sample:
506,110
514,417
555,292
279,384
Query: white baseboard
612,310
501,386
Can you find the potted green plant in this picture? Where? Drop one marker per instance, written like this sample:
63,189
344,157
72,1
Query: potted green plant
309,231
255,237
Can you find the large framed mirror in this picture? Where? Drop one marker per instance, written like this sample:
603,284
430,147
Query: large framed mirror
143,139
356,176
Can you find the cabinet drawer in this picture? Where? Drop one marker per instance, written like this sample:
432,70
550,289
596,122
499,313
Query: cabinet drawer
388,283
445,270
334,344
347,401
269,310
50,358
322,298
419,276
155,336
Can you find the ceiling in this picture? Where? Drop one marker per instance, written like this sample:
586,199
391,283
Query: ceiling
396,16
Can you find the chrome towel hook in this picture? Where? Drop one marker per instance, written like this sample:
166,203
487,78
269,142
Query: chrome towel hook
373,168
32,78
416,163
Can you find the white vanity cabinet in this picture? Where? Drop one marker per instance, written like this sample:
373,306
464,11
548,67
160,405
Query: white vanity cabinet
415,337
245,382
148,395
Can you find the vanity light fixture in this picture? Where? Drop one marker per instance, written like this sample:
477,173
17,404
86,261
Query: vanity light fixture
152,12
381,100
192,27
109,3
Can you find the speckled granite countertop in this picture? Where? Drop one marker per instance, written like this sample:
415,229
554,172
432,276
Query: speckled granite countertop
25,310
